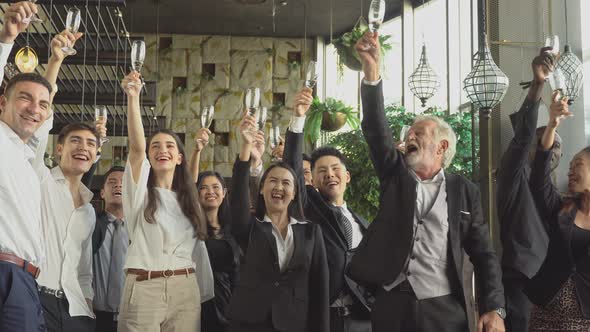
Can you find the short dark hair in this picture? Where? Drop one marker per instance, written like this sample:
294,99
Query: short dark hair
326,151
65,131
26,77
110,171
306,157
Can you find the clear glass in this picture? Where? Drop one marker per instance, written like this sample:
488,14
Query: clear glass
311,75
33,18
72,25
252,100
274,137
553,42
207,116
101,114
557,81
137,54
261,117
403,134
376,14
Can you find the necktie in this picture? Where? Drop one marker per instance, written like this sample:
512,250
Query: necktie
347,227
116,276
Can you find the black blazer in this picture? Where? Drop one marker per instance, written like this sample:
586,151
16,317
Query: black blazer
382,253
321,212
295,300
559,265
524,239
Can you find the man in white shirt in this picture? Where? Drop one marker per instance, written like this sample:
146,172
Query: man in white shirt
68,219
24,107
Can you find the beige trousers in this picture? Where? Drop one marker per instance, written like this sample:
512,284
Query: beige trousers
163,304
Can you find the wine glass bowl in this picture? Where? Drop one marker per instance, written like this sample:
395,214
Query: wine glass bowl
311,75
101,114
206,116
72,25
376,14
137,57
274,137
261,116
252,100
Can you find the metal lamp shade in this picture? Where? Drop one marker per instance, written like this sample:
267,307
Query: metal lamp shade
572,69
423,82
486,84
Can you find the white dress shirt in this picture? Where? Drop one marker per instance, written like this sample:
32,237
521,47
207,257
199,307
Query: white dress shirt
4,53
286,246
67,233
170,242
357,233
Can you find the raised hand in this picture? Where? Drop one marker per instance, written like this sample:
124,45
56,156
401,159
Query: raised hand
259,147
101,129
277,152
202,139
132,90
248,122
542,65
302,101
369,51
13,20
61,40
558,110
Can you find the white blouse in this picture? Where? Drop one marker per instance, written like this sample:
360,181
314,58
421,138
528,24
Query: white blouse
169,243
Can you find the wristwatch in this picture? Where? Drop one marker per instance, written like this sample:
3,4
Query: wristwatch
501,312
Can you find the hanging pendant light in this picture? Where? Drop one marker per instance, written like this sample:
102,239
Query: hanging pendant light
26,60
486,84
424,82
571,67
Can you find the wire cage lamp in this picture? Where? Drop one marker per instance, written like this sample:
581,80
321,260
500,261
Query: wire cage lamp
572,70
424,82
486,84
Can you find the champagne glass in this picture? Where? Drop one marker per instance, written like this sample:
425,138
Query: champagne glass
72,25
376,14
553,42
261,115
33,18
557,81
101,114
403,134
137,57
207,116
311,75
252,100
273,139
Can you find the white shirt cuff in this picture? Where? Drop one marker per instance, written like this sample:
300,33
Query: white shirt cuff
256,171
5,52
373,83
296,124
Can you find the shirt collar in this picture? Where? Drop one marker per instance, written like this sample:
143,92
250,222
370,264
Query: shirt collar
343,206
292,221
437,179
111,218
59,176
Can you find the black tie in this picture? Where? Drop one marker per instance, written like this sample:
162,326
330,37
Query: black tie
347,228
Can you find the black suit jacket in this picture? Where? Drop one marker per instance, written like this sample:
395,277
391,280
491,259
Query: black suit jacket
320,211
295,300
381,255
560,264
524,239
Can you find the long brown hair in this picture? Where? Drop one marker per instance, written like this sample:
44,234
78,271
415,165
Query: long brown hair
186,193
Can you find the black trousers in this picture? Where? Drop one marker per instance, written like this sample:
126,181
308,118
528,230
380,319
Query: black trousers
350,323
105,321
518,306
400,311
20,309
57,317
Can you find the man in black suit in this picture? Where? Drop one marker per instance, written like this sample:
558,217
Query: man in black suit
342,229
412,253
109,248
524,238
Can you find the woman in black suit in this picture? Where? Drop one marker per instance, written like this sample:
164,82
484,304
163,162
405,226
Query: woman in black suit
283,279
223,250
561,288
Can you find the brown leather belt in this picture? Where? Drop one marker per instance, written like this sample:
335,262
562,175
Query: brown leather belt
143,275
10,258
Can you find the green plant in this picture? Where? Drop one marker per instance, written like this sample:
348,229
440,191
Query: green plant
315,115
362,194
344,45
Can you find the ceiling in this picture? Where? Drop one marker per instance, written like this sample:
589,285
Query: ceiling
230,17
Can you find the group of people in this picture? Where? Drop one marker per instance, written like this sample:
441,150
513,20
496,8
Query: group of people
175,250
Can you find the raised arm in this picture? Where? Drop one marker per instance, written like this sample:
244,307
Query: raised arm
57,56
374,124
239,194
13,25
134,125
201,140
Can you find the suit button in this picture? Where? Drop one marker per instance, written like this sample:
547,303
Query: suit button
412,257
276,284
420,222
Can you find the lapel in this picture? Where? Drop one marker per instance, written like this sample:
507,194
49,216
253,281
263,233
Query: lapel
267,231
330,215
360,220
453,192
299,252
566,227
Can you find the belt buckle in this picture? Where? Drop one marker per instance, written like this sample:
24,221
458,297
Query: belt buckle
166,275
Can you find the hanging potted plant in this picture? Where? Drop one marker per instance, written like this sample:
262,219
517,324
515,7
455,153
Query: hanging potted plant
330,115
344,45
